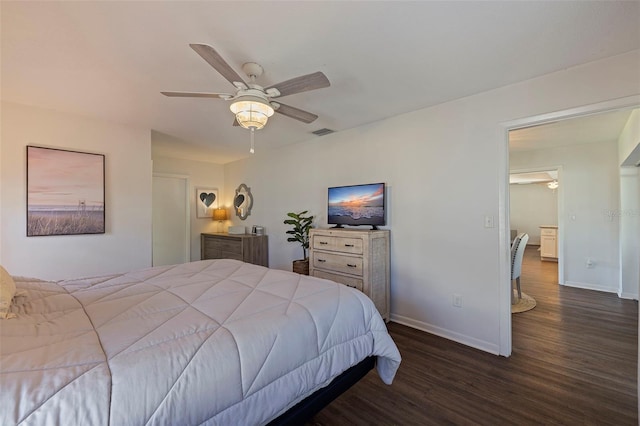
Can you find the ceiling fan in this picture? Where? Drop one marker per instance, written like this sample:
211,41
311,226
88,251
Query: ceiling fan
252,103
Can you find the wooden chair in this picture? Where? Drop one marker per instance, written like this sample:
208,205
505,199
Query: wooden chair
517,252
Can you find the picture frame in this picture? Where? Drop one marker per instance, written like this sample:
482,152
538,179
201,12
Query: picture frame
65,192
206,202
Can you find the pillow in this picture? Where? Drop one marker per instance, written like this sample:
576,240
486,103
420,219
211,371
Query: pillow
7,291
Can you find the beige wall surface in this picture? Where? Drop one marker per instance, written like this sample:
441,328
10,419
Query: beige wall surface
590,193
532,205
126,244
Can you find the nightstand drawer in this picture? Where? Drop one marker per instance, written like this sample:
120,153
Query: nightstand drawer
225,245
339,263
548,231
348,281
340,244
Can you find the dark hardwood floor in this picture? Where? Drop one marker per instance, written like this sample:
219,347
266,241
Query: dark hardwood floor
574,362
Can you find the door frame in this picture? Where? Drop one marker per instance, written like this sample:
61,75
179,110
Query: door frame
505,344
187,224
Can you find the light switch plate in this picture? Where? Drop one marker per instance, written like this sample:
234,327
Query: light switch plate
488,222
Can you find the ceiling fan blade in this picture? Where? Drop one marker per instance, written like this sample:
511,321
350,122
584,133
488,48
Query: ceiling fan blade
214,59
197,95
298,114
317,80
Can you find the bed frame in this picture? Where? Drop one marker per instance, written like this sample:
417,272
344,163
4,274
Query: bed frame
310,406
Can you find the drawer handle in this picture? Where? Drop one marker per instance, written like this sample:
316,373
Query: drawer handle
351,265
349,245
323,243
321,260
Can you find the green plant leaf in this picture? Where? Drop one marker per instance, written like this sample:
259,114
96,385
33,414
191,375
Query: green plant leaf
301,225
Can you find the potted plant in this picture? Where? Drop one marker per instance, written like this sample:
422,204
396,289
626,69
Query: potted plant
300,233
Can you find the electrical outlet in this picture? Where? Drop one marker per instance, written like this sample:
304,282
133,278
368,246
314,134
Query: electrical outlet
589,263
457,300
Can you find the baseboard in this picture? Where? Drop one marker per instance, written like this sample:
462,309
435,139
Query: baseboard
627,295
586,286
447,334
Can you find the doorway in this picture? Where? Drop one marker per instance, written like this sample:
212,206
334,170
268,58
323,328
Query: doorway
535,201
171,231
561,116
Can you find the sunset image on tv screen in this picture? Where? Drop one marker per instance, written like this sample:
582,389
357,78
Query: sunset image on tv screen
360,204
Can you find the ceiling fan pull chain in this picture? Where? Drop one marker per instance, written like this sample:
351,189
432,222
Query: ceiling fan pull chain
253,131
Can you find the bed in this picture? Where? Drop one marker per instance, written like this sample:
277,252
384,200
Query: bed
215,342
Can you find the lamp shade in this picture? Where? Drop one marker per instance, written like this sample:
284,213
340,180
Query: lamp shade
251,112
220,214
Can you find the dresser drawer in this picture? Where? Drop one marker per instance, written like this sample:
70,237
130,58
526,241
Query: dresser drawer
224,245
336,262
244,247
348,281
353,257
230,255
340,244
548,231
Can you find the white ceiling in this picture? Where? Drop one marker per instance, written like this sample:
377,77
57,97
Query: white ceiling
110,60
605,127
533,177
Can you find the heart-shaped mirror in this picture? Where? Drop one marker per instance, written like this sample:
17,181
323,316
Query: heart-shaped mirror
243,201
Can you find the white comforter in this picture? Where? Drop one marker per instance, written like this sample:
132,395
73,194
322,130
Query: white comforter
211,342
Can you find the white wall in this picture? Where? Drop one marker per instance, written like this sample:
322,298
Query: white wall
590,186
629,214
446,168
532,205
629,217
201,175
126,244
629,141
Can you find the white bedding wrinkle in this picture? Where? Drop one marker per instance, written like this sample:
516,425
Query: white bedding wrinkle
52,368
211,342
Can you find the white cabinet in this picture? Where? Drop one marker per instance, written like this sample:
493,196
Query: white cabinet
549,243
355,258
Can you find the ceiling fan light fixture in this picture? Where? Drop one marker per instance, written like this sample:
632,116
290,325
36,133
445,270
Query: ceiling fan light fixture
251,112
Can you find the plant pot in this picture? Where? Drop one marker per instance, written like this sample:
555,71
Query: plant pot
301,267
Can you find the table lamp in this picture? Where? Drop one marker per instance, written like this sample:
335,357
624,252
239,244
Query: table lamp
220,214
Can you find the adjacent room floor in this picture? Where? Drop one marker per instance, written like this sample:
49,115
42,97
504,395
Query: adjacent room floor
574,361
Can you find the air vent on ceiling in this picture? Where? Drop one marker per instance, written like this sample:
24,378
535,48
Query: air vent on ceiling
322,132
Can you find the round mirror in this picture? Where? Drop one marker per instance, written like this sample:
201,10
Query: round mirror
243,201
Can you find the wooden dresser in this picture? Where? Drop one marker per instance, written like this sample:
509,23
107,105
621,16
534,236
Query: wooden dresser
246,247
355,258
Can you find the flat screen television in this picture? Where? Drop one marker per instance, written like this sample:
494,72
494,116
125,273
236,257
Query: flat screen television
357,205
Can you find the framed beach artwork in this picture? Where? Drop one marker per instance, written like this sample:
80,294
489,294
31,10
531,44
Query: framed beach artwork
206,202
65,192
